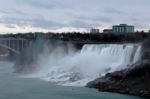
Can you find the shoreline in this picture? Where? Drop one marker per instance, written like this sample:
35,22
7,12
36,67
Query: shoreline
132,81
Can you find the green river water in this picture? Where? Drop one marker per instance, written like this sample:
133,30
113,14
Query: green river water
13,86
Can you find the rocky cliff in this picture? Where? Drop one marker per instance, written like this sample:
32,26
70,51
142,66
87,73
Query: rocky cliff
134,80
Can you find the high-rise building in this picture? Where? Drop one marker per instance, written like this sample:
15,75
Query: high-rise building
94,30
123,28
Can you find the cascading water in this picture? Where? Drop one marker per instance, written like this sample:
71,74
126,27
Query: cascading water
93,61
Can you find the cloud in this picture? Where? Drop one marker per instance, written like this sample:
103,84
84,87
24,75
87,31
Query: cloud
36,3
83,24
23,22
45,4
47,14
10,26
115,11
95,18
4,12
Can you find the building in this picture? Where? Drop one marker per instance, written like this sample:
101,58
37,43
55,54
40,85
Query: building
123,28
107,31
94,30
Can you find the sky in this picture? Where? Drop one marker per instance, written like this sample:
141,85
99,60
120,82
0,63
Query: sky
71,15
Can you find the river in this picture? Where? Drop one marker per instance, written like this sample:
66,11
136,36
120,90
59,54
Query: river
13,86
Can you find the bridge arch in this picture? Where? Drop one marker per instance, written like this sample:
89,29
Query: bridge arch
9,48
15,45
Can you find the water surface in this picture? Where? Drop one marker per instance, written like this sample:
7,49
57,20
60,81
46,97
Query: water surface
13,86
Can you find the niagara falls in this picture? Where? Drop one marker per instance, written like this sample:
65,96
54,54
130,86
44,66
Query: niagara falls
91,62
74,49
41,66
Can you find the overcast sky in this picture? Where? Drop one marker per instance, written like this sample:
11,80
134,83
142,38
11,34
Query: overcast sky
71,15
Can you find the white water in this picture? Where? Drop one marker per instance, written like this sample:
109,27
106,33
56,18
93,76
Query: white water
93,61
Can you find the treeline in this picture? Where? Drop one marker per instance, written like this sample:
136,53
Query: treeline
77,36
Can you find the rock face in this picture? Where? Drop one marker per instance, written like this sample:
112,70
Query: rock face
134,80
146,49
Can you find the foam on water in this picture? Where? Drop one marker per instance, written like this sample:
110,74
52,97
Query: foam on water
93,61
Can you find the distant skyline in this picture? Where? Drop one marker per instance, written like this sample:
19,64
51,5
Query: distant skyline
71,15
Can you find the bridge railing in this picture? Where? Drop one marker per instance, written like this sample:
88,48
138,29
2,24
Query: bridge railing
14,44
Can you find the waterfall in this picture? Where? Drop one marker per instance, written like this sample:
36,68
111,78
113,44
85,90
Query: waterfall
93,61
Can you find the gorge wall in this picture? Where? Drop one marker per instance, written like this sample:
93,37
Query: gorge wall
133,80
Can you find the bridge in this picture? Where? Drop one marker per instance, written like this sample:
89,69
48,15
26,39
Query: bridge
15,45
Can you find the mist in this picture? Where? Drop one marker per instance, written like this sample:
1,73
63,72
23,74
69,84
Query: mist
65,65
